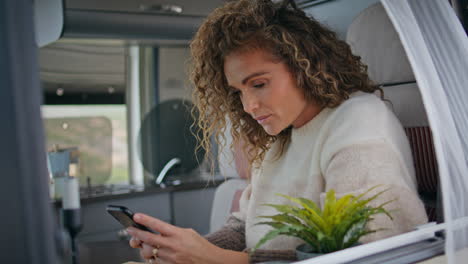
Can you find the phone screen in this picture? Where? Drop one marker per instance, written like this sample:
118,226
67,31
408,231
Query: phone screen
125,217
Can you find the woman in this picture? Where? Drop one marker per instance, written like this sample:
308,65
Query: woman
306,109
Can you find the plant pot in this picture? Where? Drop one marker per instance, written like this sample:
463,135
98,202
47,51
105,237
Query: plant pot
304,251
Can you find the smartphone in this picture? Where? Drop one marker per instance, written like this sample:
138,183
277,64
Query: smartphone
125,217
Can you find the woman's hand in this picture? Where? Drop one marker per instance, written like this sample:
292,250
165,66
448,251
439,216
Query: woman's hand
135,242
177,245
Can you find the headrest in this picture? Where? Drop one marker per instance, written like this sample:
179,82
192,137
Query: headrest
226,162
372,36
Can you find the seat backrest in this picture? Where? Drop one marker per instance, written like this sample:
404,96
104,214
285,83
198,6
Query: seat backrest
226,199
373,37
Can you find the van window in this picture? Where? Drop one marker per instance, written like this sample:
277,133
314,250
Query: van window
99,132
84,83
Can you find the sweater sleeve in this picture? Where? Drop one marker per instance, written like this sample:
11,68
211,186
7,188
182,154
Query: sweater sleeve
232,237
358,167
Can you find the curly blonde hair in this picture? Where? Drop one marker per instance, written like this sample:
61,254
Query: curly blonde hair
323,66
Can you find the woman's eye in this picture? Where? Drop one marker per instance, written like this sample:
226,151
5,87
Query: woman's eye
236,92
259,85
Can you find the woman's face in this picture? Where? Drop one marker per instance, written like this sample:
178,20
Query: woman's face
268,91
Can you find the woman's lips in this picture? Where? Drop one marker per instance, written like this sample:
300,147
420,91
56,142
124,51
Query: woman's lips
262,119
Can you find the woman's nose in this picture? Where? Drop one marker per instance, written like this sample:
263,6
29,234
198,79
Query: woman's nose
250,103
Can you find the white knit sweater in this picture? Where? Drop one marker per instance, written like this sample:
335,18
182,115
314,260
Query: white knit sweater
350,148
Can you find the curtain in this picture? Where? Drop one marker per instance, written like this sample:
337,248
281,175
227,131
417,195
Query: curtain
437,48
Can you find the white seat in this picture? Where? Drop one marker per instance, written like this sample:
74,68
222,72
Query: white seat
225,202
226,198
372,36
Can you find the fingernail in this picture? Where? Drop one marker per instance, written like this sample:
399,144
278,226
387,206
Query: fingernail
137,217
129,230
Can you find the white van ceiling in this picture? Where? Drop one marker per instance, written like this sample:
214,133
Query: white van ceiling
188,7
90,65
78,66
135,19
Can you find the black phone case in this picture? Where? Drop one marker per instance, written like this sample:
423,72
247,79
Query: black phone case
125,217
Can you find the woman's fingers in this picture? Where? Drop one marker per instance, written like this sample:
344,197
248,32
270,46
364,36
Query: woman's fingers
135,242
179,245
146,251
149,238
155,224
165,255
160,255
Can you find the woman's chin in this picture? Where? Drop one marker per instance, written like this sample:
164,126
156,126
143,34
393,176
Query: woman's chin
271,130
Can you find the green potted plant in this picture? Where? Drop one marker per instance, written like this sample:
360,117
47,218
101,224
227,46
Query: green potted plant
339,225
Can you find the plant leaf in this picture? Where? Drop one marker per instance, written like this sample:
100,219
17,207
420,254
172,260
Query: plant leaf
272,224
270,235
312,214
285,218
340,224
310,204
330,200
285,230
